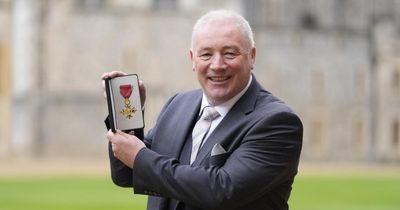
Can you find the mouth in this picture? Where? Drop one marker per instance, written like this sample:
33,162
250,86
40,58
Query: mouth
219,78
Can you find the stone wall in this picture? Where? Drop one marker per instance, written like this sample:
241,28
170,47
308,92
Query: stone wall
334,62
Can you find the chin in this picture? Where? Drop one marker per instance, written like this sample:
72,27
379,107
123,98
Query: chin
218,99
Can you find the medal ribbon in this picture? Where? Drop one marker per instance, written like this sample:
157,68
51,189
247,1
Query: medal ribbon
125,90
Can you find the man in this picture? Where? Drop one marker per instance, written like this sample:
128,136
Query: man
246,159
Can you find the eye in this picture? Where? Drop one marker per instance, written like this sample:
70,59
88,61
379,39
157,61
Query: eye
230,55
205,56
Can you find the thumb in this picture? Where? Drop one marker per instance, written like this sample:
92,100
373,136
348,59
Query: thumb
110,136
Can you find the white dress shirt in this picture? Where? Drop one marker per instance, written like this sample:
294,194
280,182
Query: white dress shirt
223,108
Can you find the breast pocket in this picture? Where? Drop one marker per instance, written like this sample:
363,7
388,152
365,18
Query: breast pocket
218,160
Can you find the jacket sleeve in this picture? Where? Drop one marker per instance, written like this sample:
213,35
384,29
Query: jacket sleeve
267,156
120,173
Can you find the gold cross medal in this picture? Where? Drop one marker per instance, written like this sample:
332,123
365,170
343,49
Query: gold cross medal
126,91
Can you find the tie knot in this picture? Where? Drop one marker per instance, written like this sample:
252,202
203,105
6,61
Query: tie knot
209,113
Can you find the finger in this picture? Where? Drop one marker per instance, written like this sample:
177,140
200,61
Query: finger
119,132
110,135
142,90
104,75
103,84
116,74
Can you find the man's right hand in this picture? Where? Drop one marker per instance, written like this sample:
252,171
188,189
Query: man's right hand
113,74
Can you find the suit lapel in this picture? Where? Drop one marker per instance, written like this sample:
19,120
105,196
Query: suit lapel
190,110
243,106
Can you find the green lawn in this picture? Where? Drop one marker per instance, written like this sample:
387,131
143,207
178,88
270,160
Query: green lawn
69,193
310,192
368,192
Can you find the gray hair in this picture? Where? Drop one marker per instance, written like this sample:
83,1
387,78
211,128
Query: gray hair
225,15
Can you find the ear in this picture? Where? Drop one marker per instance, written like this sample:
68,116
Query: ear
191,54
191,58
252,57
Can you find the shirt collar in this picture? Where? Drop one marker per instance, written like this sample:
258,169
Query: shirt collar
224,108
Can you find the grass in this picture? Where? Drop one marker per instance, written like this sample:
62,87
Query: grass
66,192
346,192
310,192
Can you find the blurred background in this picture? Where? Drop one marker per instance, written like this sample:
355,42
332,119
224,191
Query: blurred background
336,62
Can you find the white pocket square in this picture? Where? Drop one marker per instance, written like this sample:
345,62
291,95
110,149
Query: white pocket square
217,150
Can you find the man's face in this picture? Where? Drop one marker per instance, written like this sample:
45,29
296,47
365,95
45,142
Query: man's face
222,59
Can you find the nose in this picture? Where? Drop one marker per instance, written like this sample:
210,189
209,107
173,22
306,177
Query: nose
217,62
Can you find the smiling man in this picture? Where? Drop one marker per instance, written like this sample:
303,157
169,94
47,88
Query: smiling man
223,56
229,145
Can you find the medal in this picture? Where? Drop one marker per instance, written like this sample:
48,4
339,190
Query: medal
126,91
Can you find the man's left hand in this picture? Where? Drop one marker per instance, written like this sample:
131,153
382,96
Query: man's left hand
124,146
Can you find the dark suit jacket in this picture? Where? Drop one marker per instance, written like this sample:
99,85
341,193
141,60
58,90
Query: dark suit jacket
262,137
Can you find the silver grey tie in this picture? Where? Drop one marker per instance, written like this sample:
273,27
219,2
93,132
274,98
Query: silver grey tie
201,129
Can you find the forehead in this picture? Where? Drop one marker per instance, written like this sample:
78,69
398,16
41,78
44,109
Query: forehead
219,34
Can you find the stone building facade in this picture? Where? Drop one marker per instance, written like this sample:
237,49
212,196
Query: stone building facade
4,78
335,62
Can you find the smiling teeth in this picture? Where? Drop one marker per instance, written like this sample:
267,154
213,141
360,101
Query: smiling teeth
218,78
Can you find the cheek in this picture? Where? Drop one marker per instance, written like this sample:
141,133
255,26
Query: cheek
200,68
